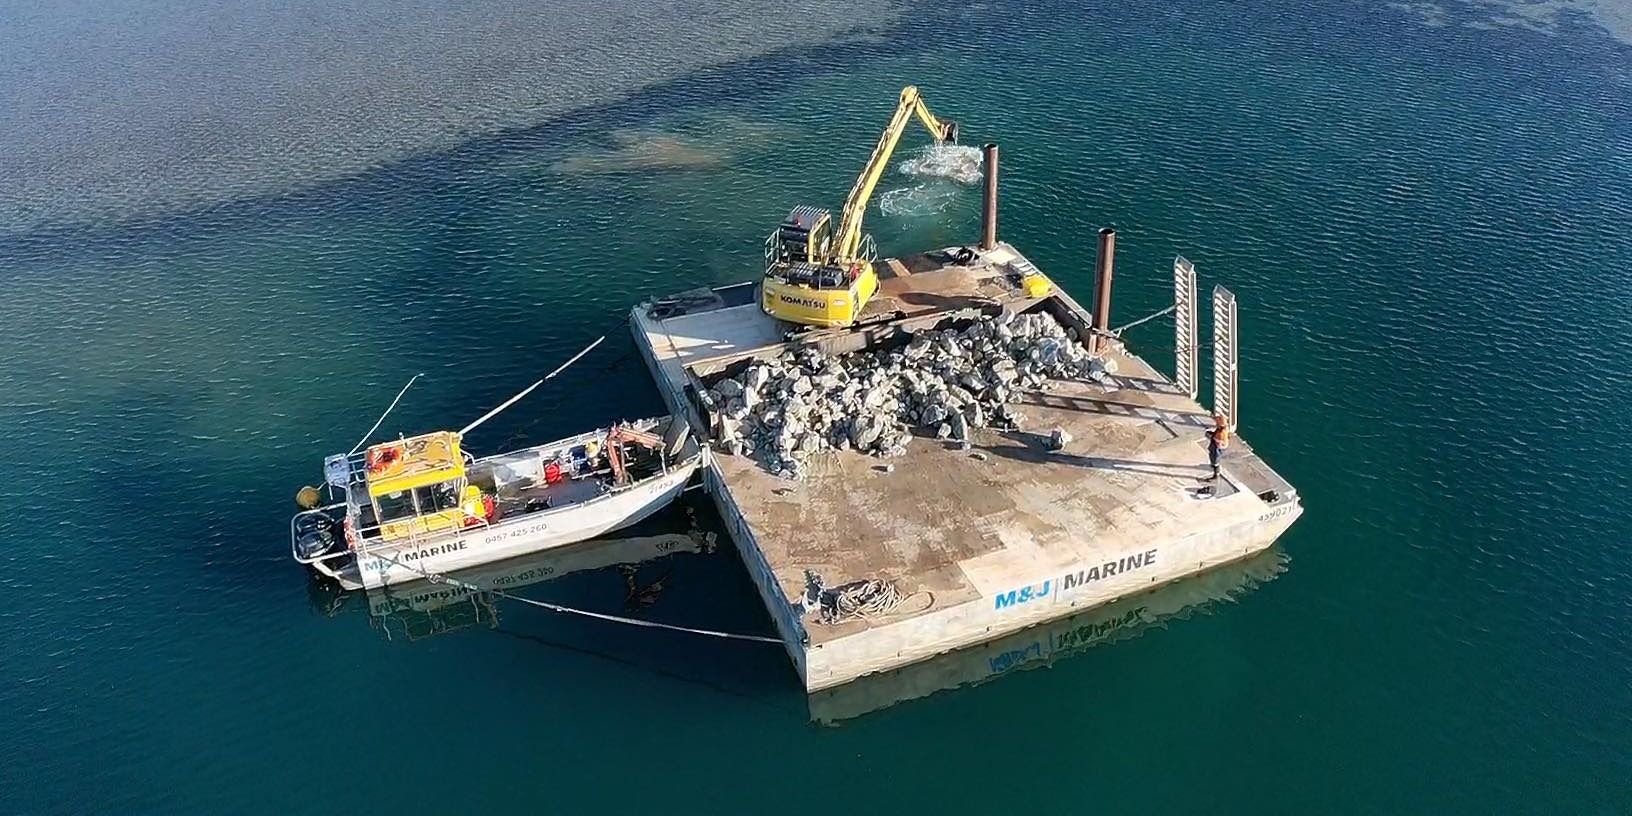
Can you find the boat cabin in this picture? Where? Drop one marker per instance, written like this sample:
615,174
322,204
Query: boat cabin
417,486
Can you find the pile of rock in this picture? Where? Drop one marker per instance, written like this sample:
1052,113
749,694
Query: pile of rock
944,382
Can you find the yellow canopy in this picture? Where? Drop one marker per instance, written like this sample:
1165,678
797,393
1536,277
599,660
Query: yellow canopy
414,462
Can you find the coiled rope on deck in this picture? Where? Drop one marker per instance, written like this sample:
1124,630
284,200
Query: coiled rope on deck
437,578
864,599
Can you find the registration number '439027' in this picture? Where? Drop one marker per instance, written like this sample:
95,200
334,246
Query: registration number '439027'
1278,512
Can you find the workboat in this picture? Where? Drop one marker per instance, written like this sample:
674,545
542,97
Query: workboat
411,509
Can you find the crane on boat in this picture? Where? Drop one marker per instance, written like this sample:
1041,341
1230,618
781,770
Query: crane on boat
816,275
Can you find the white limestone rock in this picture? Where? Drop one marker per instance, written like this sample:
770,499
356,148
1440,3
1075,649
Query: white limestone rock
944,382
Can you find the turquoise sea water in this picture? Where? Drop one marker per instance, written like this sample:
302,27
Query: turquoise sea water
1424,212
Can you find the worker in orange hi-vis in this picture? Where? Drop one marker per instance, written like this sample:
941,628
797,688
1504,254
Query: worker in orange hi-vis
1218,438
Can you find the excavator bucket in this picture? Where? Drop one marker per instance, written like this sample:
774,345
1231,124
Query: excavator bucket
951,134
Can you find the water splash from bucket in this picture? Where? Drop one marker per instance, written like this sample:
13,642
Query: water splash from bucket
960,163
943,169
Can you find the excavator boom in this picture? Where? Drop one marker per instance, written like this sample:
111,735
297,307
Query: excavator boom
855,206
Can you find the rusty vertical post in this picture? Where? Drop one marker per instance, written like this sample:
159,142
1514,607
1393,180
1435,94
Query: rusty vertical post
988,216
1102,285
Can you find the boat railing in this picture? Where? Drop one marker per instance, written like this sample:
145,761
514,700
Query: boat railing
368,539
556,445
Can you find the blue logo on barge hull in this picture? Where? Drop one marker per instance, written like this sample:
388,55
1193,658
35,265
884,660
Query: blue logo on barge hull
1024,595
1073,580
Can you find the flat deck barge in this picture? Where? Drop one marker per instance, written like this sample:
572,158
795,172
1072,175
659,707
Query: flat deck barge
983,541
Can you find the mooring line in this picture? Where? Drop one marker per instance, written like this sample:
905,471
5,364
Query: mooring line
437,578
387,413
1145,319
529,389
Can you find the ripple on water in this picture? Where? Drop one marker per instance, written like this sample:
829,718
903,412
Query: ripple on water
175,109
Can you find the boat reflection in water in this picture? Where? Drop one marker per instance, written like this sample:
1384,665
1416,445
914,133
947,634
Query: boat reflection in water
1042,645
420,609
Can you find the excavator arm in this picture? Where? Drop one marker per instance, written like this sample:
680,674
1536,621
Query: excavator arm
855,206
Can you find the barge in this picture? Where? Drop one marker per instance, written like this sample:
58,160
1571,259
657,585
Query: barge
990,534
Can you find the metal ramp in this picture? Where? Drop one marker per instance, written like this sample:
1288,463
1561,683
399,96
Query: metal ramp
1184,326
1224,360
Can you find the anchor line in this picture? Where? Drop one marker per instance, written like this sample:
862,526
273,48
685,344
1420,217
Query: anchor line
437,578
1140,348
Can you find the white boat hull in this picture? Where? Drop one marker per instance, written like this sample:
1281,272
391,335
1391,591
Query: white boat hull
382,566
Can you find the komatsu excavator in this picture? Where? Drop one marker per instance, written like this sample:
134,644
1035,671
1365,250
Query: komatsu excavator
818,276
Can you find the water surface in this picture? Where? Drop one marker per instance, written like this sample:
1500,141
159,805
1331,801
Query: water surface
1424,220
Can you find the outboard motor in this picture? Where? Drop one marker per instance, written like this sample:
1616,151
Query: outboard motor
315,534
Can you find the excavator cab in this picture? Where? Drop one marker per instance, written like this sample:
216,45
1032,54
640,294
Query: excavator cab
805,236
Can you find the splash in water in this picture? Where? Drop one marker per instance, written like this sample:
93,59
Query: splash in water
943,168
928,198
960,163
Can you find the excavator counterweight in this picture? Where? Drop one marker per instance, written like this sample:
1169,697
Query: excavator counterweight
821,274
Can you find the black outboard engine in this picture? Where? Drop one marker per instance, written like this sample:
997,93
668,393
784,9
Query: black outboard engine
316,534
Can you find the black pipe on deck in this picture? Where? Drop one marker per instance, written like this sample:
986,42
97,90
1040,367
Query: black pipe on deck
988,210
1102,283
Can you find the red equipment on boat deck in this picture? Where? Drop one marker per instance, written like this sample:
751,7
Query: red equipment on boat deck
552,472
381,458
614,459
488,508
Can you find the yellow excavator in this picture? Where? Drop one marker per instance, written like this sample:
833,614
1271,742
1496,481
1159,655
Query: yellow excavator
816,276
